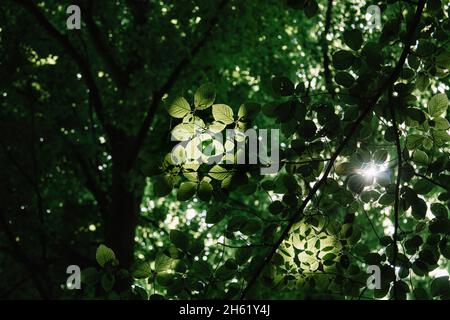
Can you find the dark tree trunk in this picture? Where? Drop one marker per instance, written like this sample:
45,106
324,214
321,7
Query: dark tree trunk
122,216
121,221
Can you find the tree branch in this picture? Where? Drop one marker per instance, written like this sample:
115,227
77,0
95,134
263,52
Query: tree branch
91,183
397,185
431,180
101,44
326,58
167,86
389,82
77,58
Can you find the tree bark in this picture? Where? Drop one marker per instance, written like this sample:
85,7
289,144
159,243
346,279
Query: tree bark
122,217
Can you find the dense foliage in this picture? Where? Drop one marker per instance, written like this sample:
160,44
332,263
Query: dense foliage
94,174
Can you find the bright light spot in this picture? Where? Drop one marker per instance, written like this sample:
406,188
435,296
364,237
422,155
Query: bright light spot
92,227
388,226
78,75
439,273
371,171
171,221
190,214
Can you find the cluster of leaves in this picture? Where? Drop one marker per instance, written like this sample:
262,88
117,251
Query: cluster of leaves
330,245
370,107
184,167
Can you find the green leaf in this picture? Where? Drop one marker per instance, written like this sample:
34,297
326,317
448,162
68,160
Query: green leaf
186,190
163,185
223,273
343,59
329,256
307,130
222,113
443,59
420,157
440,225
219,173
214,215
276,207
439,210
242,255
425,48
248,110
440,286
179,108
205,190
140,292
108,281
422,82
423,186
250,227
104,255
216,127
179,239
353,38
204,96
162,262
419,209
416,114
380,156
183,132
370,195
343,168
196,247
373,52
438,104
356,183
344,79
142,270
413,141
373,258
386,199
420,294
440,123
282,86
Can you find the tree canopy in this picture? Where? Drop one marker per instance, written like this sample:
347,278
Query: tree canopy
100,124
